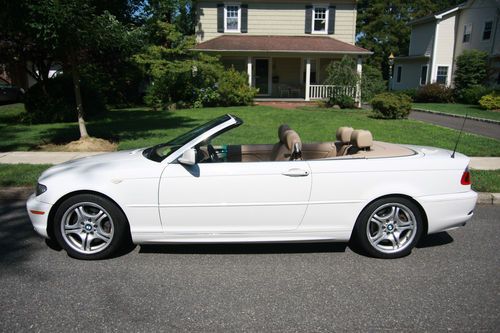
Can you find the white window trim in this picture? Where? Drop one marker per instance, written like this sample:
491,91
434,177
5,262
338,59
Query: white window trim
426,75
327,16
239,17
484,28
401,77
448,73
470,34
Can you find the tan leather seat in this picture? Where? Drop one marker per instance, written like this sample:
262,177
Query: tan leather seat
289,147
343,140
361,140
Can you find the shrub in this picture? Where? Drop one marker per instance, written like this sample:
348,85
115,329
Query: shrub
412,93
473,94
391,106
490,101
342,100
56,103
434,93
233,89
342,73
472,69
372,82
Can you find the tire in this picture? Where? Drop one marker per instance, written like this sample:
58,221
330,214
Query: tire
90,227
389,228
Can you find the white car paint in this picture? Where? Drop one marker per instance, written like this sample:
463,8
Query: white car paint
258,201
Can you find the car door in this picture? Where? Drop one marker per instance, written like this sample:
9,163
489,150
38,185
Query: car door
234,197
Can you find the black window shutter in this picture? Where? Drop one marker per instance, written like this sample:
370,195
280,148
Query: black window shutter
309,14
220,17
331,20
244,19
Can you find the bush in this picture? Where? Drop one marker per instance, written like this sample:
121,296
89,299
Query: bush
56,103
412,93
233,89
391,106
434,93
472,69
372,82
473,94
490,101
342,73
343,101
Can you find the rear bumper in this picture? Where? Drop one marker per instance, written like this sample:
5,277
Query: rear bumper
39,220
448,211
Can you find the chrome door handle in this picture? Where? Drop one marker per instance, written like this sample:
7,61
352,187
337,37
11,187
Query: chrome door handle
296,173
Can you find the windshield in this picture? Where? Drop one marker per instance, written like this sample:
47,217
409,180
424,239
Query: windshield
160,152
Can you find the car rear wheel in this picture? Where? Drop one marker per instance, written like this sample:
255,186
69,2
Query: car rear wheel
389,228
90,227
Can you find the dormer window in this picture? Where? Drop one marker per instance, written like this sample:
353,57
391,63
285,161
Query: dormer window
232,18
320,20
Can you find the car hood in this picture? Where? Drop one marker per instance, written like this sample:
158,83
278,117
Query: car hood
122,164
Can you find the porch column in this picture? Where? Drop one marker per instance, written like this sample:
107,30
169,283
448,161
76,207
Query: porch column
359,70
249,71
308,79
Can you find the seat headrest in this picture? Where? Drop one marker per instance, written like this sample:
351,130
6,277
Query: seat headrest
291,139
362,139
344,134
281,132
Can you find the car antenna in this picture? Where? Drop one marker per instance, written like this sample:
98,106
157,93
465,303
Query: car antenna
459,135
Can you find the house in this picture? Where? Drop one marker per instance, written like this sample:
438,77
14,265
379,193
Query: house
438,39
284,46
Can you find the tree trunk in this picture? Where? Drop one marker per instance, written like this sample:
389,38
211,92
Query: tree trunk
79,103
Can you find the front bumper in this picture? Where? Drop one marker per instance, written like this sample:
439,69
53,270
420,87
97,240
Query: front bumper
448,211
38,220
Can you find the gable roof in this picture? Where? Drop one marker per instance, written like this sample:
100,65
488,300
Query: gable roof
437,15
280,44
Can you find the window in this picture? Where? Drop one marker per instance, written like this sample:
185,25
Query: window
398,74
423,75
232,18
467,33
442,75
320,20
487,30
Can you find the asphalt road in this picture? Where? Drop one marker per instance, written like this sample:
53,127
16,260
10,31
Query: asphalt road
451,282
471,126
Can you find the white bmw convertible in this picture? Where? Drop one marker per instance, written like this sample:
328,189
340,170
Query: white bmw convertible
384,196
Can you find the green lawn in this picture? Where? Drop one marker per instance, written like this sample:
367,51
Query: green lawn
459,109
140,127
27,174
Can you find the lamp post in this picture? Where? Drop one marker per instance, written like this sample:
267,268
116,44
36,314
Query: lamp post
391,63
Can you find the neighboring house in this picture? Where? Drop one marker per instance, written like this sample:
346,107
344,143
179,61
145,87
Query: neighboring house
284,46
437,40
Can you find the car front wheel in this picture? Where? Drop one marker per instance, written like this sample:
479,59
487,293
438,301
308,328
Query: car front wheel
90,227
389,228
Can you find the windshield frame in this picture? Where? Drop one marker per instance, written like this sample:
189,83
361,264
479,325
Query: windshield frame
193,137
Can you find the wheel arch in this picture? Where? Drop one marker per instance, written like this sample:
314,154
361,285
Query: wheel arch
55,207
399,195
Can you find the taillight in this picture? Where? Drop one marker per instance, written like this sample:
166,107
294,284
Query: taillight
465,177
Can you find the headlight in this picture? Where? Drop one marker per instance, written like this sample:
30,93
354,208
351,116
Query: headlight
40,189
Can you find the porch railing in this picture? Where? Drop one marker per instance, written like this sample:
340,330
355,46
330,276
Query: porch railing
325,91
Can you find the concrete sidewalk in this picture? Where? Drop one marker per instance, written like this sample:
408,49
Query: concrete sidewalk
40,157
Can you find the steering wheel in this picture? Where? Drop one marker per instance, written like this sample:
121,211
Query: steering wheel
212,153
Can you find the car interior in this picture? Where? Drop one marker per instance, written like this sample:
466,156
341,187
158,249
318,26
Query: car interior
350,143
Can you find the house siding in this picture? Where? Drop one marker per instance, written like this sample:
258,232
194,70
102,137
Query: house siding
410,75
422,39
278,18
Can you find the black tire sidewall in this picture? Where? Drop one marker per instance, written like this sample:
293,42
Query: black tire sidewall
362,221
119,222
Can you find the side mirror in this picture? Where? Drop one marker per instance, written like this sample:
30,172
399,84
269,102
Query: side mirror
189,157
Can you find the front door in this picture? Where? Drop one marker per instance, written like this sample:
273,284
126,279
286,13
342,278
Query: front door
262,76
231,197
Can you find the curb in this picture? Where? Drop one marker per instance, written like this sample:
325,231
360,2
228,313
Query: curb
23,193
491,121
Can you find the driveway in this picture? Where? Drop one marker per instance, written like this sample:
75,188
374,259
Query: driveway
450,283
491,130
